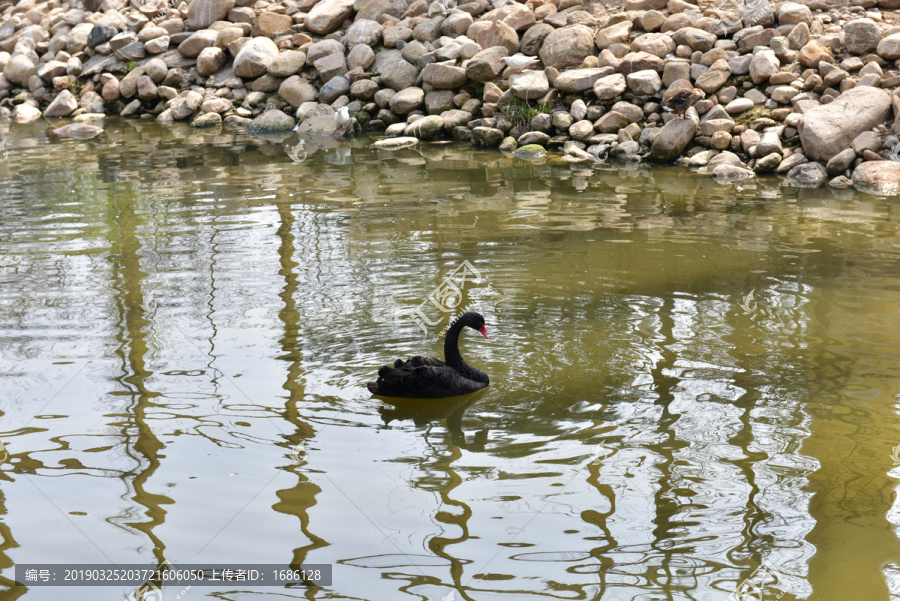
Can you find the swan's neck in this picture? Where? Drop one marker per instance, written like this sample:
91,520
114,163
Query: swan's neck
452,356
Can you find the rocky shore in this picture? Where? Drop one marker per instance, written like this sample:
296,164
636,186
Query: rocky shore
804,90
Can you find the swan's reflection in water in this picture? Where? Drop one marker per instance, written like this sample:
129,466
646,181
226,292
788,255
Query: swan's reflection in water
425,412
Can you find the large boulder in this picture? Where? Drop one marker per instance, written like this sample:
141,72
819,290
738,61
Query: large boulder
878,177
442,76
861,36
327,15
63,105
487,64
576,81
673,138
889,47
610,86
529,85
763,65
297,90
498,34
567,46
396,73
827,129
254,57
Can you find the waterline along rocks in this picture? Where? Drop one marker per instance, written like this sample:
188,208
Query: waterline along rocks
805,90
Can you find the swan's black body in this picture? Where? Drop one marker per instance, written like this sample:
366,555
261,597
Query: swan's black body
427,377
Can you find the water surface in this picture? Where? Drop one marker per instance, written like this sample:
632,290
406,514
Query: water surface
689,380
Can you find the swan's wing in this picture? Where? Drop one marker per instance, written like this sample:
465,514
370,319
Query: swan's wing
431,378
419,361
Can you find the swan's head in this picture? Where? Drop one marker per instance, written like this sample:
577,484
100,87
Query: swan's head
474,321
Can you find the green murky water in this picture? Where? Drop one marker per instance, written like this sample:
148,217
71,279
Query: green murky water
688,379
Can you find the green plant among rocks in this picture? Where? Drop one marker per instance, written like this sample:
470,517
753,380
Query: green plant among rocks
519,112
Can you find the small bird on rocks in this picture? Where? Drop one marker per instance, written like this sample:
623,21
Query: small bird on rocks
342,118
519,61
681,99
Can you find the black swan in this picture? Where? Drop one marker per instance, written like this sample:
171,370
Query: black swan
427,377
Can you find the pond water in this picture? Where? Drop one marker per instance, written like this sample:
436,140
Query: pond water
694,386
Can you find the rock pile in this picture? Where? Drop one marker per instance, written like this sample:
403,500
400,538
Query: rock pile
806,90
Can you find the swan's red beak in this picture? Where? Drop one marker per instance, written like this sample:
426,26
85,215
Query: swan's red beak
484,331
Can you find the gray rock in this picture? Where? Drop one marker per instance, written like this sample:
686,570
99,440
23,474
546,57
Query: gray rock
335,88
581,131
763,65
731,173
861,36
396,73
808,175
406,101
739,105
487,64
769,143
673,138
208,120
878,177
443,76
63,105
361,56
889,47
531,152
840,162
365,32
567,46
740,65
203,13
827,129
297,90
714,78
644,83
271,121
486,137
841,182
790,162
331,65
425,128
611,86
327,15
533,137
290,62
793,12
185,104
529,85
576,81
768,163
254,57
396,143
